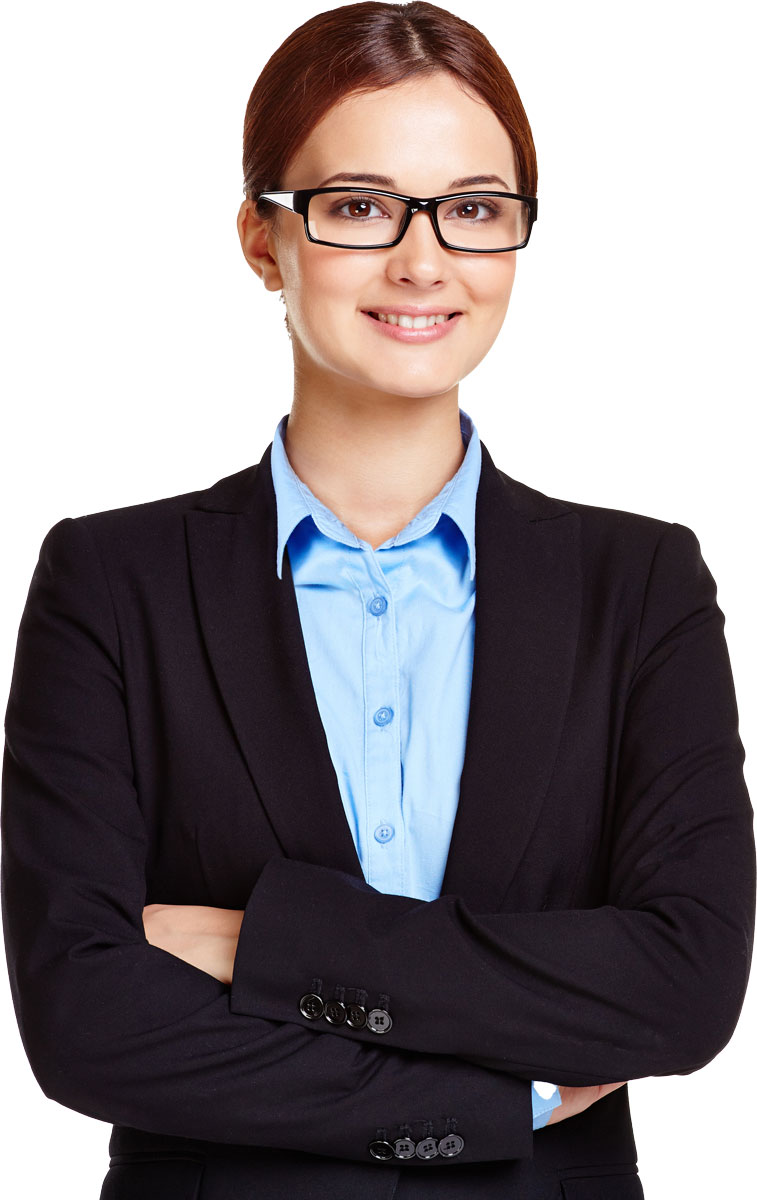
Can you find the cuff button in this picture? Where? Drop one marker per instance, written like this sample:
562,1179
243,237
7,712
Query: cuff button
334,1012
356,1016
404,1148
428,1148
311,1006
379,1020
381,1150
451,1145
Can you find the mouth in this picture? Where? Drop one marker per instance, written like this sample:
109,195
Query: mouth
405,321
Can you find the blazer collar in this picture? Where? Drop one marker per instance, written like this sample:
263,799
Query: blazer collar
528,595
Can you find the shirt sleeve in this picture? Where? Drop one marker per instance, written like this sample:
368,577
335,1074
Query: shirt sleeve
545,1097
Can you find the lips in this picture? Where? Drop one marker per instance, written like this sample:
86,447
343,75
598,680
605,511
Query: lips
415,328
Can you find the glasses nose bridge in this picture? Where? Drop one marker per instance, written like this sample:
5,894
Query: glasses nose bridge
416,205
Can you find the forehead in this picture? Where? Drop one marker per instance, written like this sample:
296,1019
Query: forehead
423,133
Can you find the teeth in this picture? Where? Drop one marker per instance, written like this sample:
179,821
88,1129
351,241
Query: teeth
408,322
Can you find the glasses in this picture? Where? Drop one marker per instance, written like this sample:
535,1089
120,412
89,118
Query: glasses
360,219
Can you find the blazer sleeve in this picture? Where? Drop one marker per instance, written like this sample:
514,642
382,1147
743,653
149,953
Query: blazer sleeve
649,983
121,1030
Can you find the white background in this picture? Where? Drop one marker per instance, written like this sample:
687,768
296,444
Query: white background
143,358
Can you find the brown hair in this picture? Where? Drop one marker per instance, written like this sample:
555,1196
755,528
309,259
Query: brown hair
359,48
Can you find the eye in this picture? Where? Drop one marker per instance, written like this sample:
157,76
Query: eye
358,208
466,209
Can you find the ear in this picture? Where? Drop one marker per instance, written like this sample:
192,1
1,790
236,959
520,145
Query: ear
258,242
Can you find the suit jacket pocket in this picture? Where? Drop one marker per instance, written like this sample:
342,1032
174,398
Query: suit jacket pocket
603,1187
155,1179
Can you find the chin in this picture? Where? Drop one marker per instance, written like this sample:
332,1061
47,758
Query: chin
409,384
415,382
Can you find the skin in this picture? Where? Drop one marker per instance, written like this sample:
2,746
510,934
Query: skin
374,428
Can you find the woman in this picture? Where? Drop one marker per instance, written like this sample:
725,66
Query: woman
301,893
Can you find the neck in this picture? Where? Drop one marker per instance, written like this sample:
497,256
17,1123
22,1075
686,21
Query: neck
374,460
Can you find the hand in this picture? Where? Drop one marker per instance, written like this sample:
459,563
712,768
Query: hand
574,1100
202,936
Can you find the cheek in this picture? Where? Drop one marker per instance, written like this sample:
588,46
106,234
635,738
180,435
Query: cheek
320,279
495,284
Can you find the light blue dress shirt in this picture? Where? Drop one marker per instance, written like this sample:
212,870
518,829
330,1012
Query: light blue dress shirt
389,639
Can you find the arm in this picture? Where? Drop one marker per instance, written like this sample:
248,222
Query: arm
119,1029
207,938
649,983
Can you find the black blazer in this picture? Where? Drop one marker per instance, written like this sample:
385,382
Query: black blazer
163,744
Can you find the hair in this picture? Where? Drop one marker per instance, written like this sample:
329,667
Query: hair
360,48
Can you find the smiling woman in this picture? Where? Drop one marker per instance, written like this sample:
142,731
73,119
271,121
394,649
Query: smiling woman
398,122
397,370
371,817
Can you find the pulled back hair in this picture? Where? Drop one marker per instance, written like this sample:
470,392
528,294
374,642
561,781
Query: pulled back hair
360,48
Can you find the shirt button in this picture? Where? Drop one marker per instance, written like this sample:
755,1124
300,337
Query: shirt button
383,833
383,716
377,606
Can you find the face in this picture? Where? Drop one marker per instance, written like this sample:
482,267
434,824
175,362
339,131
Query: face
422,134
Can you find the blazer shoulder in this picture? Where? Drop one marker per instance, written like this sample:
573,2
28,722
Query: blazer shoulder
535,503
152,532
614,539
600,521
226,494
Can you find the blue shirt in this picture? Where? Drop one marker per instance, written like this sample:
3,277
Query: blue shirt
389,638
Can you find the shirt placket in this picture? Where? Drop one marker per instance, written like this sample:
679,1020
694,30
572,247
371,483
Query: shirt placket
385,841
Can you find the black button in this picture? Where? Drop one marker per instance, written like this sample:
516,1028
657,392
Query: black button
428,1148
334,1012
451,1145
356,1016
404,1148
381,1150
311,1006
379,1020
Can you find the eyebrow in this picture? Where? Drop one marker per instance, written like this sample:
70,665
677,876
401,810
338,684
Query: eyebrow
386,181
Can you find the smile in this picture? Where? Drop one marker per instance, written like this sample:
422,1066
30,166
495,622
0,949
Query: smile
408,322
426,327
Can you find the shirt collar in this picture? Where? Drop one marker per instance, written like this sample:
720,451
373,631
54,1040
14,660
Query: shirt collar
295,501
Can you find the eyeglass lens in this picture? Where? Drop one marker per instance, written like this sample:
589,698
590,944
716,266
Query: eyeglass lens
475,221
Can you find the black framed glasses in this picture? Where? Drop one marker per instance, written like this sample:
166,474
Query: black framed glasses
478,222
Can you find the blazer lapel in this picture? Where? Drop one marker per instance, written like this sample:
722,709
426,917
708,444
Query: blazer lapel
526,631
251,627
528,600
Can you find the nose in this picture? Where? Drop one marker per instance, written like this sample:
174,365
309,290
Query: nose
420,255
426,224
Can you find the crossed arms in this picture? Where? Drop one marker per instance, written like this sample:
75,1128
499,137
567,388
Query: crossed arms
120,1028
